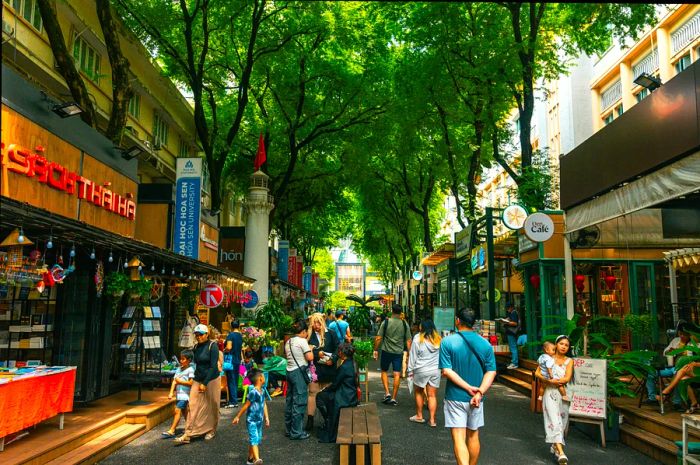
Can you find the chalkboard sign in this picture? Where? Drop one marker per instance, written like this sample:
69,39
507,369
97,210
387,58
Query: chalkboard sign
444,318
588,388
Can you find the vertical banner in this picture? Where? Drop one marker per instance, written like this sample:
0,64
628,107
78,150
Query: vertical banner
292,264
307,279
188,197
300,272
283,260
314,283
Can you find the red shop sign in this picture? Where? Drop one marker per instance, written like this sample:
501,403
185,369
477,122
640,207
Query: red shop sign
20,160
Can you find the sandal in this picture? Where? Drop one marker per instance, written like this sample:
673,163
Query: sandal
663,398
693,408
432,425
182,440
167,435
415,419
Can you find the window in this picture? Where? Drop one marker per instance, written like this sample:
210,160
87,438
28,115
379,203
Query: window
184,151
619,110
135,106
87,59
29,9
608,119
160,131
642,94
683,63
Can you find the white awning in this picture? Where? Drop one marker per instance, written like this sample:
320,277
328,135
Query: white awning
672,181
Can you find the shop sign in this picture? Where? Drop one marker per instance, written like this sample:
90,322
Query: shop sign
212,295
208,243
252,300
187,208
525,244
478,261
462,242
21,160
417,275
514,217
539,227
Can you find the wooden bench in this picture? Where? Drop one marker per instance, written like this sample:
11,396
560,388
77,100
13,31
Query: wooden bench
359,429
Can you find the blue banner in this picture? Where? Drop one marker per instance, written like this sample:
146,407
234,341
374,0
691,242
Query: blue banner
307,282
187,207
282,261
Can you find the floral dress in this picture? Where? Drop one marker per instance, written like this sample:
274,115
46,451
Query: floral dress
555,410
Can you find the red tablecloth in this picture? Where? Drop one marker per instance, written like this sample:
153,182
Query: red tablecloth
28,401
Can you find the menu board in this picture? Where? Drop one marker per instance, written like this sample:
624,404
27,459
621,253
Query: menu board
588,388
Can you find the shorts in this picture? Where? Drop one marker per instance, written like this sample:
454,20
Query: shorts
395,360
182,404
255,433
424,378
463,415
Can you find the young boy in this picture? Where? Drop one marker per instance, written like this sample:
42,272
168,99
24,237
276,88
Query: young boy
182,383
257,411
546,363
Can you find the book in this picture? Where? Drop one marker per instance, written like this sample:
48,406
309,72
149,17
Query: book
37,320
127,327
128,342
147,325
156,342
156,312
147,312
156,325
128,312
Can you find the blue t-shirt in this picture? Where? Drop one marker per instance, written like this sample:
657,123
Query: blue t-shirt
182,392
256,411
341,329
455,354
237,341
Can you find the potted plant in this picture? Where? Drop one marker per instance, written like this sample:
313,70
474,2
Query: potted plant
117,284
363,352
271,317
140,290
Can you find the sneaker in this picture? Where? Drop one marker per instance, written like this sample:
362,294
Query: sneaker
511,366
301,437
387,399
250,461
563,459
393,402
209,436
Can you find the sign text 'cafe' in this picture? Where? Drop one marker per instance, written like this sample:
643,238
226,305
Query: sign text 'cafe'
21,160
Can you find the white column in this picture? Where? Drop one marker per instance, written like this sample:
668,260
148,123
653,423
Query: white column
258,205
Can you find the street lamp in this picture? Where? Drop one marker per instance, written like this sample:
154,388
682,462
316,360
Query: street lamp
648,81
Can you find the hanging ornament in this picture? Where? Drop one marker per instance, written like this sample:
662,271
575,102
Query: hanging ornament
60,260
535,281
40,286
57,273
157,289
162,271
35,255
111,258
153,267
20,237
579,280
49,245
610,281
99,279
72,251
92,254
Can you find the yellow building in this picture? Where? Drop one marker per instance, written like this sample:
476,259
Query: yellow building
664,51
160,120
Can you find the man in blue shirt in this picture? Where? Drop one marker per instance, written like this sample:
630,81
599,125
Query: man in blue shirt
468,362
233,348
341,327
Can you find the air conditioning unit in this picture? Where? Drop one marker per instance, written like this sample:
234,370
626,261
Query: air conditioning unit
7,29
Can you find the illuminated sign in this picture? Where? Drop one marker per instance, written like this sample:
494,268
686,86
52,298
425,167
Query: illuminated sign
21,160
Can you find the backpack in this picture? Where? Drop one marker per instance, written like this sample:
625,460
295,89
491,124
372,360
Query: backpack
405,329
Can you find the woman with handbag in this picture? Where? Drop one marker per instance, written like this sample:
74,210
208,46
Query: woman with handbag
299,355
205,393
339,394
324,344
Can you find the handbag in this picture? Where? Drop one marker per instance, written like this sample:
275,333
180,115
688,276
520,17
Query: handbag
187,339
305,373
228,362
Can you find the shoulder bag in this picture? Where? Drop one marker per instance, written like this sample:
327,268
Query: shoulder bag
306,374
481,362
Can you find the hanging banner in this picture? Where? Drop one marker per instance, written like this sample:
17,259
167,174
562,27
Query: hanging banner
283,260
187,207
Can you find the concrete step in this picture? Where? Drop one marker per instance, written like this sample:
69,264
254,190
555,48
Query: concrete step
95,450
661,449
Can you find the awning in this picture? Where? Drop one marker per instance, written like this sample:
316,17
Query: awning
687,259
444,252
670,182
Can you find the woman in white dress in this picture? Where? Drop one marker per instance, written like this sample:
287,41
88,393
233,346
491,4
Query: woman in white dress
555,410
424,372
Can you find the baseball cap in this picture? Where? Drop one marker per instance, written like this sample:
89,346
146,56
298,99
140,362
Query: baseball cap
201,329
338,313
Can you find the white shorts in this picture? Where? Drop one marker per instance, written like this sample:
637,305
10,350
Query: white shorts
423,378
463,415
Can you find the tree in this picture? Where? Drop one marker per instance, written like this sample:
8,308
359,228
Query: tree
324,265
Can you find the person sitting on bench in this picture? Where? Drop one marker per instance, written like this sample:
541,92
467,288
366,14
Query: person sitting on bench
340,394
685,372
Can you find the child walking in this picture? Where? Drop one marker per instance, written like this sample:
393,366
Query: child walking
257,412
182,383
546,363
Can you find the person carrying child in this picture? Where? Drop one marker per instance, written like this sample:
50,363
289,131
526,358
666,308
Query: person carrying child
257,413
182,383
546,363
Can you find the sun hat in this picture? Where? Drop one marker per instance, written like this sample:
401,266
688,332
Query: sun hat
201,329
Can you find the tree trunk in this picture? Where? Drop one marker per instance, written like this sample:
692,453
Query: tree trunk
64,61
121,89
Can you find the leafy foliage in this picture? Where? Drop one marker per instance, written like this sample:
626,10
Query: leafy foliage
363,352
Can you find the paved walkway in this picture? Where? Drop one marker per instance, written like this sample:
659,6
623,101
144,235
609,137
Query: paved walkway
512,435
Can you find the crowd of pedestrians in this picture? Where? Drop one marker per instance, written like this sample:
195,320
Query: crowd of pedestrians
320,375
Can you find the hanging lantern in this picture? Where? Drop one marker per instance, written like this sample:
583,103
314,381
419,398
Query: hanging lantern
133,267
610,281
535,281
14,247
579,280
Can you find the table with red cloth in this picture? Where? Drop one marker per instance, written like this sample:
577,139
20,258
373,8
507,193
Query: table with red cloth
28,399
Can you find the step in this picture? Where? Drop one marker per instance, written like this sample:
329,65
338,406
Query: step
666,426
102,446
650,444
515,383
523,362
522,374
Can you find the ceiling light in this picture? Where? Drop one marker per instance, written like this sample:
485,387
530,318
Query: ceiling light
66,110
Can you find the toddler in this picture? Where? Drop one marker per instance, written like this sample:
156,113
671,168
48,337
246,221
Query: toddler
182,383
257,412
546,362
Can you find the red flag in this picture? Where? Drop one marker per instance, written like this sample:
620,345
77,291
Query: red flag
260,157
